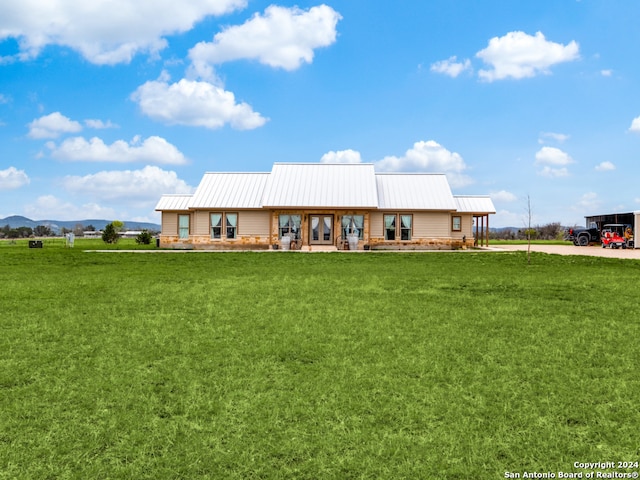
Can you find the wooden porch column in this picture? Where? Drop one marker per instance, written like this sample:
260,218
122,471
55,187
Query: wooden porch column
487,230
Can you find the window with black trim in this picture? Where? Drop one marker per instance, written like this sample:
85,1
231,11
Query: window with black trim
406,222
398,226
232,225
390,227
230,222
289,225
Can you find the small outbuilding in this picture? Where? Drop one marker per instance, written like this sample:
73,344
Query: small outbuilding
328,206
632,219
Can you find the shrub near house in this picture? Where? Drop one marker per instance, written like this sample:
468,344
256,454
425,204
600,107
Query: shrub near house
110,234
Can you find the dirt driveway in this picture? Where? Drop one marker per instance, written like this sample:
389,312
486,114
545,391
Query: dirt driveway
595,251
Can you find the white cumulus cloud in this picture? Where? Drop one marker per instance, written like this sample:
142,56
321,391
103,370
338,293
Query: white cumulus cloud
558,137
141,187
341,156
50,207
519,55
99,124
551,172
605,167
552,156
428,156
104,32
152,150
451,66
588,202
635,125
281,37
503,196
195,103
553,162
52,126
12,178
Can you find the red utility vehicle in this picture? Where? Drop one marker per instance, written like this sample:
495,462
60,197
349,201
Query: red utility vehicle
613,236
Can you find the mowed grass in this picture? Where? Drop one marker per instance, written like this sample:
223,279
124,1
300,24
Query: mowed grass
288,365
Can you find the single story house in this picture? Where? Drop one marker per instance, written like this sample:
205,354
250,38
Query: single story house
322,206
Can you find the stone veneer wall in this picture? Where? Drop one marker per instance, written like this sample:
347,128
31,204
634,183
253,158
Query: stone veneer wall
204,242
421,244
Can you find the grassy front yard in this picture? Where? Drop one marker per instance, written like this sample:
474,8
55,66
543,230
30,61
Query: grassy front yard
289,365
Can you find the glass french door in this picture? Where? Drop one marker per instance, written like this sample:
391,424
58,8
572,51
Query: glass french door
321,229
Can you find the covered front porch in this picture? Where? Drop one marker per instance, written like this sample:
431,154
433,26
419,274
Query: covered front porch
330,229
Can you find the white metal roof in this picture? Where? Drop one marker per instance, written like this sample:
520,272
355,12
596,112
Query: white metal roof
174,202
414,191
321,185
318,185
474,204
230,190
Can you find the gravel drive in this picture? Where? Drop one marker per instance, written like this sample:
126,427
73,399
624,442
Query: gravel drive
595,251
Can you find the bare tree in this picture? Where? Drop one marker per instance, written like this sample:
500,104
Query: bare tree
528,230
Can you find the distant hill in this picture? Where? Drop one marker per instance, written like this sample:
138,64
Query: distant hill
16,221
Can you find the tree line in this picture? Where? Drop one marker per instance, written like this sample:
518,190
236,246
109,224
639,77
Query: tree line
42,231
550,231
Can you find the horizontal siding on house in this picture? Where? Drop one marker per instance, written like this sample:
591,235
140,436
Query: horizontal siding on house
169,223
249,222
376,227
253,223
200,222
467,226
431,225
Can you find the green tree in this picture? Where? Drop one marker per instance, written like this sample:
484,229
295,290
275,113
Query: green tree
118,225
21,232
42,231
110,234
144,238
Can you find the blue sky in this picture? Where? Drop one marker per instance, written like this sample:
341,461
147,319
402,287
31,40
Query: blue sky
106,105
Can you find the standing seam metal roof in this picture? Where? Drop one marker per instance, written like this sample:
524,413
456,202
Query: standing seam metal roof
230,190
174,202
474,204
414,192
321,185
318,185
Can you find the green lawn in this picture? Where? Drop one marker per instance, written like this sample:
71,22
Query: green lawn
450,365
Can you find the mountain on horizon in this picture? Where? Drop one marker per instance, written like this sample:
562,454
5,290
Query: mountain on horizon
16,221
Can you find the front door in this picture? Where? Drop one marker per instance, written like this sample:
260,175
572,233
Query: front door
321,230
